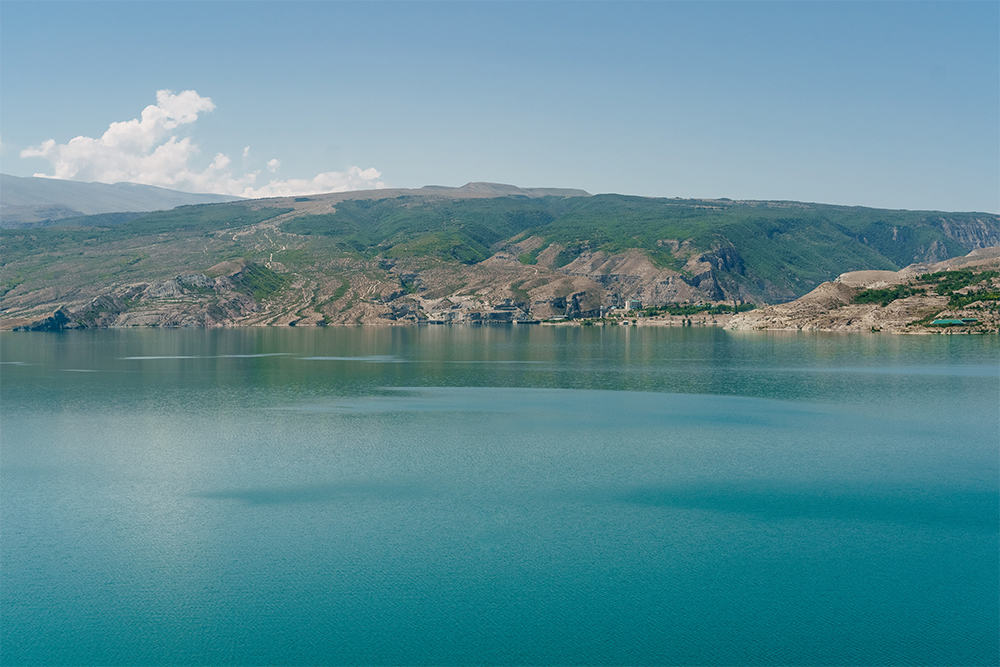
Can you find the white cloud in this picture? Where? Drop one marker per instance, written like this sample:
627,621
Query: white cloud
145,150
354,178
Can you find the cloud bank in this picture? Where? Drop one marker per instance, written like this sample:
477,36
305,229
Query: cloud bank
147,150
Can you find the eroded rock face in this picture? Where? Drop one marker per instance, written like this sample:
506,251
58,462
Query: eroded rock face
190,300
500,289
976,233
392,292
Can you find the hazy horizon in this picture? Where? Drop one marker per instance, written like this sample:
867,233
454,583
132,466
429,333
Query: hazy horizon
516,185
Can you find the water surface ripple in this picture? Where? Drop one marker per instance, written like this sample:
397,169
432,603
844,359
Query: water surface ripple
517,495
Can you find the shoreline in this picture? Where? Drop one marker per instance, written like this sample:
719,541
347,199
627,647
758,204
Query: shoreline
44,326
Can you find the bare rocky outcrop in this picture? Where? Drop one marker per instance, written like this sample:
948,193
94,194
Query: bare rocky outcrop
189,300
832,307
389,292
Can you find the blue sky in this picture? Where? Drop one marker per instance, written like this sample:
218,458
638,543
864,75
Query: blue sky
891,104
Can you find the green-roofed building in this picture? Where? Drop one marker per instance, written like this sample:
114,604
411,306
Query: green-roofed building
951,322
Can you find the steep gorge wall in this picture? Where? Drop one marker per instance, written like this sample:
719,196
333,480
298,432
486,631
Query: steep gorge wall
973,233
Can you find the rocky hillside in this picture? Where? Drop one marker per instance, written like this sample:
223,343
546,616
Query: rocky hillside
960,295
483,252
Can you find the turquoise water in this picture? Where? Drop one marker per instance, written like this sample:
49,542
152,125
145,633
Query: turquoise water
498,495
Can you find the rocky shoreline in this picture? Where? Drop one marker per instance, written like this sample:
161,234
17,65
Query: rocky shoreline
235,294
498,290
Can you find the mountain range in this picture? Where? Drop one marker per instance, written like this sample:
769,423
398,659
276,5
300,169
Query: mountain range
477,253
30,202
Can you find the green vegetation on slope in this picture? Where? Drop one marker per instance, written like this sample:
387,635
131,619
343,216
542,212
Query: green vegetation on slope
96,220
461,230
760,250
55,263
260,282
795,246
884,297
184,220
949,281
695,309
944,283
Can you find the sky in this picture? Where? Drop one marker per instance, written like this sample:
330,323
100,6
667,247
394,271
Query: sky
884,104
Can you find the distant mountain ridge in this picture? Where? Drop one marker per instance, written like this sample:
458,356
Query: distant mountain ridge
26,202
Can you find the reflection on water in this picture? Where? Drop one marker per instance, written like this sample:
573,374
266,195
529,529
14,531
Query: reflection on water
516,495
971,508
314,493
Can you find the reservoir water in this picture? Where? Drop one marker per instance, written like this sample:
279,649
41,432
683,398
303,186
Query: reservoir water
498,495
